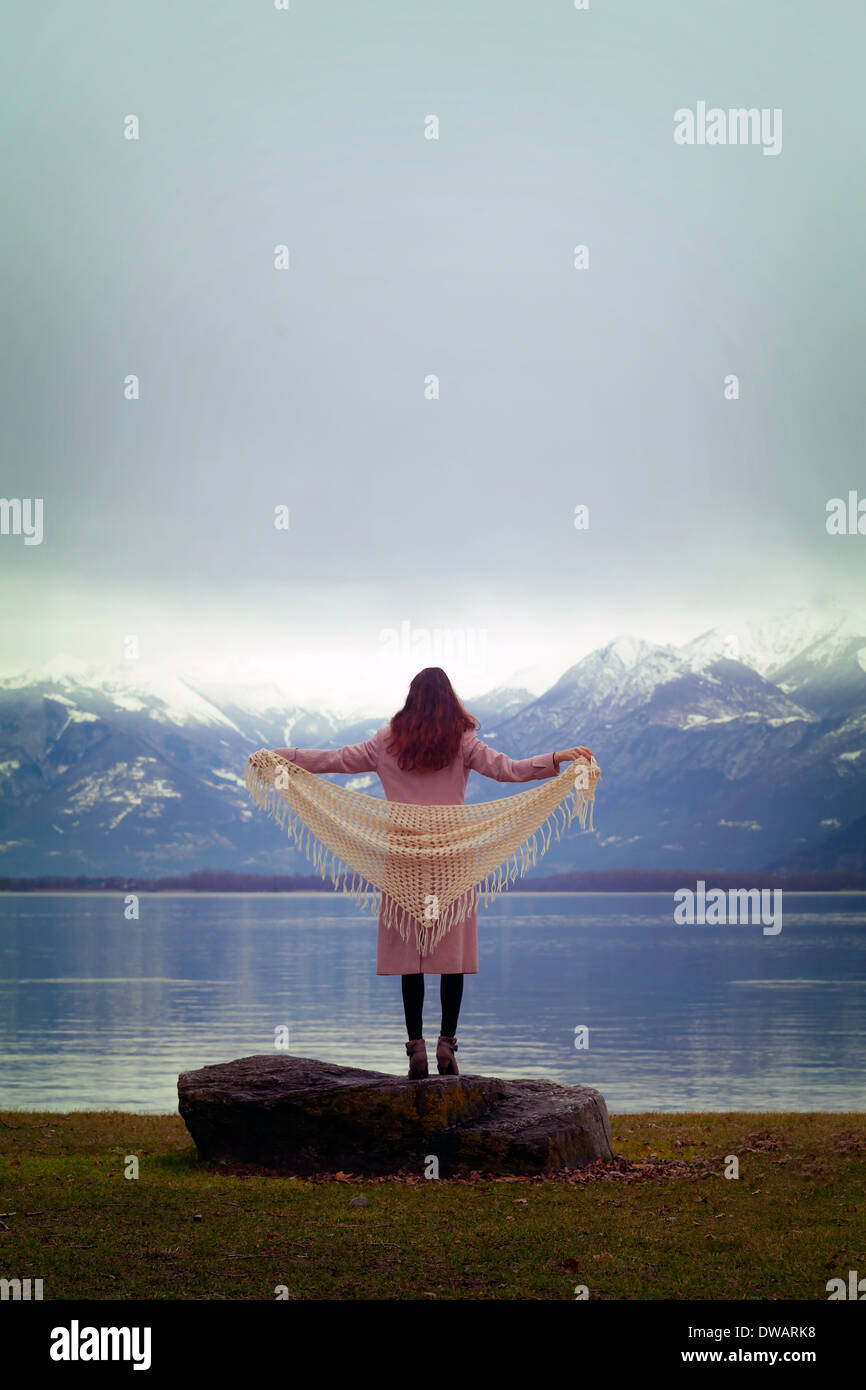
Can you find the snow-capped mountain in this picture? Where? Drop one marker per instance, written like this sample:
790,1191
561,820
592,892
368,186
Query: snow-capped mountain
706,760
830,675
702,757
632,679
769,645
134,687
497,705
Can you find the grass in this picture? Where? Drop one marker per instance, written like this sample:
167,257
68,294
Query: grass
661,1222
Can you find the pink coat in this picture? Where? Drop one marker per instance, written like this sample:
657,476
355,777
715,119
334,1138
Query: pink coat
457,953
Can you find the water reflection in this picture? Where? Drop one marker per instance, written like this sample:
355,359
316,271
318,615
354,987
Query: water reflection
100,1013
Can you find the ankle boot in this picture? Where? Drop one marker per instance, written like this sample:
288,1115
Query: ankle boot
445,1059
416,1051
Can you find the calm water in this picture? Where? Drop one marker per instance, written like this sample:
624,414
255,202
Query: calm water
100,1013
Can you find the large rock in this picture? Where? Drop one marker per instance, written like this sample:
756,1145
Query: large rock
300,1116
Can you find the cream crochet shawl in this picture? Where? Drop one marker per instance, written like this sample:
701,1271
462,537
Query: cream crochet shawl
427,861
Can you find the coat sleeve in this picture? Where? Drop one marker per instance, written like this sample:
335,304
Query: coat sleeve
354,757
504,769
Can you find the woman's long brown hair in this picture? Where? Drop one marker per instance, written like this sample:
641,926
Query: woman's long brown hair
426,733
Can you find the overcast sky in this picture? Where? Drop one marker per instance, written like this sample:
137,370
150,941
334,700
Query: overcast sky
410,258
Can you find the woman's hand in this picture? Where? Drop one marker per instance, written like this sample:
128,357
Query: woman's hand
571,755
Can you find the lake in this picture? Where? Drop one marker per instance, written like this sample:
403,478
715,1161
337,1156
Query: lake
97,1012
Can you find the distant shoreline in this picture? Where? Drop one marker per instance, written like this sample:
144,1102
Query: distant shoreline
590,881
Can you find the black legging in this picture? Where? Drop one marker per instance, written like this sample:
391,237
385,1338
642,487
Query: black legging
450,997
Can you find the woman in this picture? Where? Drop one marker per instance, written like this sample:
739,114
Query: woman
424,757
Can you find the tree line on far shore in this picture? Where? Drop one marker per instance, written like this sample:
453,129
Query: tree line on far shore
587,881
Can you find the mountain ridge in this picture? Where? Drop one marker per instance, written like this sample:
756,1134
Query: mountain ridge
703,758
